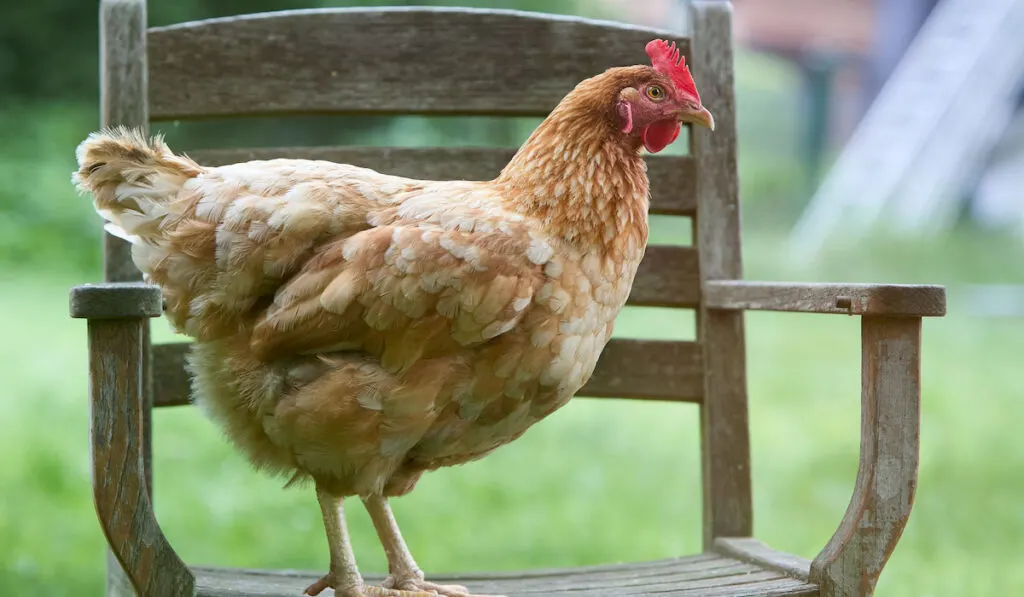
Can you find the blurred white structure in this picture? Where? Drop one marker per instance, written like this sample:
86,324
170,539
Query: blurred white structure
992,300
999,198
672,15
926,139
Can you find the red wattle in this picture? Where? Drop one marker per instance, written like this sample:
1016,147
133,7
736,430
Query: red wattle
659,135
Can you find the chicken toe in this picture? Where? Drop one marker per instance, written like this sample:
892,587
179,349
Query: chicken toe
371,591
361,590
325,582
417,583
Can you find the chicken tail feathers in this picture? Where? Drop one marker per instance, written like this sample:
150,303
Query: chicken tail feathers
132,179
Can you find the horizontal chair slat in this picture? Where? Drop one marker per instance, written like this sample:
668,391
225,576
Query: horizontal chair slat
647,369
171,383
668,277
399,60
672,177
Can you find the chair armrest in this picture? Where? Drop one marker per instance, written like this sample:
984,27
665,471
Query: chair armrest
852,561
118,325
116,300
848,299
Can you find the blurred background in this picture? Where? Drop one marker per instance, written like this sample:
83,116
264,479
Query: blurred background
880,141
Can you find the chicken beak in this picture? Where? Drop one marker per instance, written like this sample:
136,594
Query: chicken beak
700,116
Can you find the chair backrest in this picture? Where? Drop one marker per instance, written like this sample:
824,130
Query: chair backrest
436,61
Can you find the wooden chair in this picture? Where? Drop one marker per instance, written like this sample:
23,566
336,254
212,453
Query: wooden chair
331,61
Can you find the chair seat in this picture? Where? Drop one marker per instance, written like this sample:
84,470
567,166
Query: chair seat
705,575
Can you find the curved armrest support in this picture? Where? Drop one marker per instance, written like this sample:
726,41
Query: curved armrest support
846,299
889,451
117,326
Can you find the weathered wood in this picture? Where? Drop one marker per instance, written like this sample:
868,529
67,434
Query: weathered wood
643,369
117,300
846,299
703,575
123,101
123,85
667,277
757,553
383,60
648,369
119,480
171,382
672,177
849,566
725,436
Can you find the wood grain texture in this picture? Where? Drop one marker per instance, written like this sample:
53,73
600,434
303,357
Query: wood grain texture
119,480
672,178
757,553
117,300
644,369
667,277
707,575
123,85
725,436
123,101
648,369
849,566
383,60
847,299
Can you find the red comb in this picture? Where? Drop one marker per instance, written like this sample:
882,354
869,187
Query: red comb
666,60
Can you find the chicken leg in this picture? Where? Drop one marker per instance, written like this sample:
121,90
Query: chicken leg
403,572
344,575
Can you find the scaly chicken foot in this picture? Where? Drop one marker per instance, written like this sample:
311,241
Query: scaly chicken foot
404,573
344,575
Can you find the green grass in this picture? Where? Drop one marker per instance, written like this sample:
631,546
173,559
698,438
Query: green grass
599,481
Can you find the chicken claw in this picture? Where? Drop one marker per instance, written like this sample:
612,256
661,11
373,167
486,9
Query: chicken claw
417,583
327,581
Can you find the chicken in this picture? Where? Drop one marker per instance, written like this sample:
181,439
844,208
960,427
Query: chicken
358,329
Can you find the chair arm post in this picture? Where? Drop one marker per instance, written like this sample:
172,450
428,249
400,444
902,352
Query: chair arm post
889,452
117,320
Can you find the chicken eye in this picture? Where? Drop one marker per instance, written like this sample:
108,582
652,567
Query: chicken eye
656,93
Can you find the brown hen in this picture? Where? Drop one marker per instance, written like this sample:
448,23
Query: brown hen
359,329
